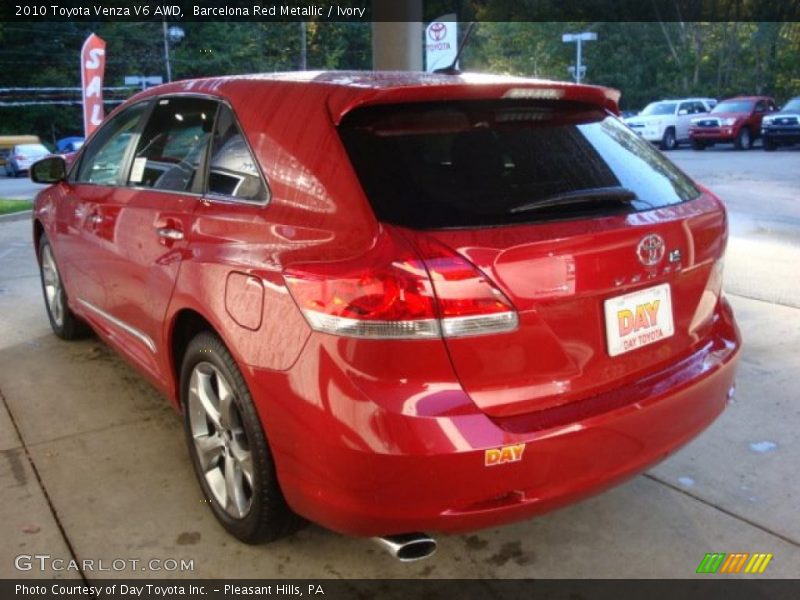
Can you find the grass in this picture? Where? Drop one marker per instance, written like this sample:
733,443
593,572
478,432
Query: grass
12,206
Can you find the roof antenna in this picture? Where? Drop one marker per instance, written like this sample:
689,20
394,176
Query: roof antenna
452,70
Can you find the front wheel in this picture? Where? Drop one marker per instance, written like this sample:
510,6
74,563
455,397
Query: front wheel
769,145
229,450
743,141
669,141
698,145
62,320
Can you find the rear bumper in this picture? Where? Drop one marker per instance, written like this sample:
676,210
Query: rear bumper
364,467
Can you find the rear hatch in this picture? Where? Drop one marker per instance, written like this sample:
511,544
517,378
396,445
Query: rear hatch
608,253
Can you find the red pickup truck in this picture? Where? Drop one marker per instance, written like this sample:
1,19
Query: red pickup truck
735,120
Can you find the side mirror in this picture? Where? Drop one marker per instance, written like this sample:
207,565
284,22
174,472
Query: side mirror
49,170
682,112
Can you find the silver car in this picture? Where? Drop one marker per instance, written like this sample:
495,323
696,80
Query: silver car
22,156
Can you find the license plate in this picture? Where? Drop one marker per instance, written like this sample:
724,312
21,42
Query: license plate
638,319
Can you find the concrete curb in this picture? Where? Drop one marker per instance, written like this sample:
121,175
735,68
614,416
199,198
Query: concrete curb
16,216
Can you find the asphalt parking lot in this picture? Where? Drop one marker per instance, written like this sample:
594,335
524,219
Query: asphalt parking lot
93,464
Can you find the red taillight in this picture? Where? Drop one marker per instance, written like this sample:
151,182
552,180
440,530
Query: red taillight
394,293
19,157
469,304
386,294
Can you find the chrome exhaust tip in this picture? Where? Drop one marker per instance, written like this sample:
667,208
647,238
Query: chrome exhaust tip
408,547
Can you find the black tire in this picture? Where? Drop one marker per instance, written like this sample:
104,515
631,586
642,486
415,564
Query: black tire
769,145
62,320
744,139
267,517
669,141
698,145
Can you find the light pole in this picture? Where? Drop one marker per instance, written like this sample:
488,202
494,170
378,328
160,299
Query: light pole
578,70
172,34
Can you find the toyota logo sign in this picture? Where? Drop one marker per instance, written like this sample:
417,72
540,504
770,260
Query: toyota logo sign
650,250
437,31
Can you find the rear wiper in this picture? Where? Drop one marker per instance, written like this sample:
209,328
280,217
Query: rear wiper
617,193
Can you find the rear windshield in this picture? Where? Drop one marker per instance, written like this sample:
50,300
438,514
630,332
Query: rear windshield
34,148
490,163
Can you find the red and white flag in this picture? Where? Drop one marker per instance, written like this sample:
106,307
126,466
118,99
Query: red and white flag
93,67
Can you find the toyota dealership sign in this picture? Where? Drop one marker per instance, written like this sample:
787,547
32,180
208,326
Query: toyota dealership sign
441,42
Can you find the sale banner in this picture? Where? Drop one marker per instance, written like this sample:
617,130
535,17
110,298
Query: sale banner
93,66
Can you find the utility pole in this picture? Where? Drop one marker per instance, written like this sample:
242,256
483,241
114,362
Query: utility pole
578,70
303,44
171,34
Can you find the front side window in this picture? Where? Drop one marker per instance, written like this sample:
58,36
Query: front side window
172,147
104,156
232,169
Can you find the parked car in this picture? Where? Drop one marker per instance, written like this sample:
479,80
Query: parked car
69,144
403,301
735,120
783,127
666,122
7,142
22,156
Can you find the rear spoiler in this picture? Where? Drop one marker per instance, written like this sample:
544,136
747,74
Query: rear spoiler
468,87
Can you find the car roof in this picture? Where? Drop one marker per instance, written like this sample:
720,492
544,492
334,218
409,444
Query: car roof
748,98
683,99
346,90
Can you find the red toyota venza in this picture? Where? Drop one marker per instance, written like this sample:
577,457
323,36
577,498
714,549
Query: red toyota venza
395,302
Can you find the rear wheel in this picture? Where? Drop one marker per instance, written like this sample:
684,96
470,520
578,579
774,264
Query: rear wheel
62,320
744,140
698,145
669,142
229,450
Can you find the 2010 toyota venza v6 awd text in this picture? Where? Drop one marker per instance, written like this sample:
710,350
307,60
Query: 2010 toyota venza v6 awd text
393,302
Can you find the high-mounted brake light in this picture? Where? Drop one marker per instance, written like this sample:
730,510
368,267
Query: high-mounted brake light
392,293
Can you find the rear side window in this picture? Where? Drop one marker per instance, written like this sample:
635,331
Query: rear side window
471,164
232,169
172,147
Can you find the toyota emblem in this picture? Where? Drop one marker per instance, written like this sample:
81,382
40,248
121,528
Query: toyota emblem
650,250
437,31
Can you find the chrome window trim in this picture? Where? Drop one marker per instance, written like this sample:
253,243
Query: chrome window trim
207,197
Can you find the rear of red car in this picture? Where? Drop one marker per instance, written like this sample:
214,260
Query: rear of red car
539,317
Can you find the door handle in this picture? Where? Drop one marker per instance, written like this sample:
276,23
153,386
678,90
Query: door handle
169,233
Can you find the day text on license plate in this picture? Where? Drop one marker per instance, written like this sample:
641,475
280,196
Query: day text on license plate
638,319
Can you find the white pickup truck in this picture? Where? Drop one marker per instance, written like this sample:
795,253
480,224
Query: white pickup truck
666,122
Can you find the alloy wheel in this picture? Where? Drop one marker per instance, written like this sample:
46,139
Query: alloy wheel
220,442
52,286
